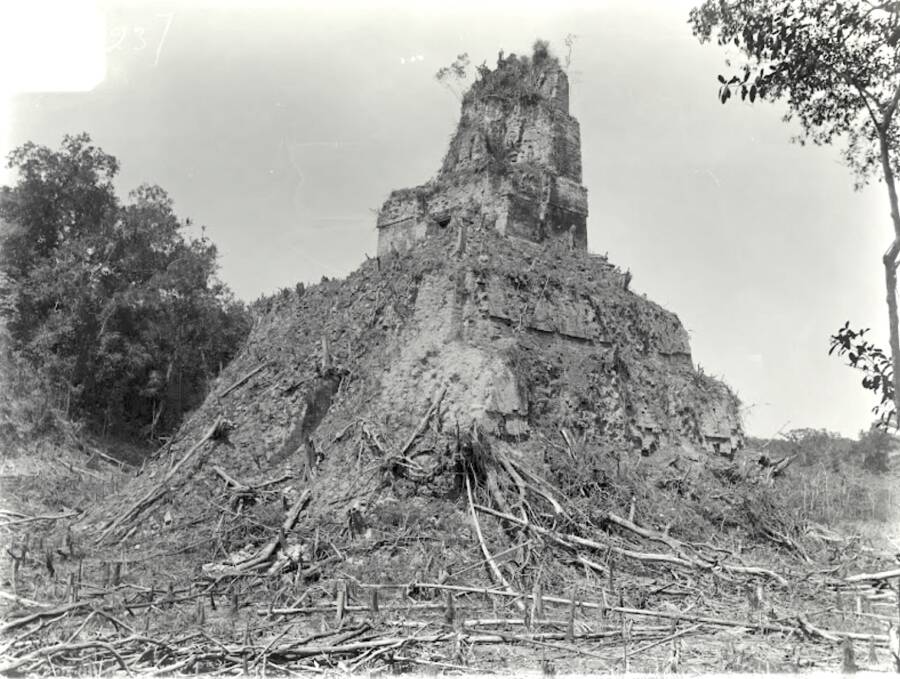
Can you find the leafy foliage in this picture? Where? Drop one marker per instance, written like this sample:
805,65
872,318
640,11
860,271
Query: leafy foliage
111,301
540,52
516,78
810,447
874,448
878,373
27,411
829,450
836,66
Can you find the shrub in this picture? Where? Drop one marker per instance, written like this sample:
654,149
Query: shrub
516,78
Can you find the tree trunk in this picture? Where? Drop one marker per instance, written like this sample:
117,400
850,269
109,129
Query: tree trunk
890,282
890,266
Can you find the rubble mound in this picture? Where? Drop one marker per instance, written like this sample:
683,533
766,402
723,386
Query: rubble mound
483,315
536,347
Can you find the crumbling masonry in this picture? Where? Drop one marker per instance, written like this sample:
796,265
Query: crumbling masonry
514,170
516,165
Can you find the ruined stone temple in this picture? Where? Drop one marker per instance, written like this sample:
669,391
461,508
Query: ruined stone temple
485,304
517,166
513,169
484,323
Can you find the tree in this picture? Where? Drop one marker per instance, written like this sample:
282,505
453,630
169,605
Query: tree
60,195
836,65
874,448
111,301
453,77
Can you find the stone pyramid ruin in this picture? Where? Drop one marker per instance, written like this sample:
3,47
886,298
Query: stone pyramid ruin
484,363
481,449
514,169
483,315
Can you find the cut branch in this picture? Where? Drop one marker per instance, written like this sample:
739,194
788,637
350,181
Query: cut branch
263,556
567,540
495,569
242,380
423,423
882,575
162,487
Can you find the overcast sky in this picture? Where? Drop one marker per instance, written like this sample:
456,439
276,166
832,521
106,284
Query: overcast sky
283,129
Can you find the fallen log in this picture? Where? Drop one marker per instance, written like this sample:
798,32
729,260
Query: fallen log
40,615
882,575
291,652
47,651
42,517
22,601
243,379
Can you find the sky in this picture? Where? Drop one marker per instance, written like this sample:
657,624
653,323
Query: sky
282,128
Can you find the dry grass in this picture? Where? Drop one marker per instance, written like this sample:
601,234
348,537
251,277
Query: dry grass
845,497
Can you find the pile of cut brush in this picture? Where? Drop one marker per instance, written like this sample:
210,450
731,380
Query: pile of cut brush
505,571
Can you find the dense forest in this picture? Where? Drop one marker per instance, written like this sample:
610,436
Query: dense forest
110,301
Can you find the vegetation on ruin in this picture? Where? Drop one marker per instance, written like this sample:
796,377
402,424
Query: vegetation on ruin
516,78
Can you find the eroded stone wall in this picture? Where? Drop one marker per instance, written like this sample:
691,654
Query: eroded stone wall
511,353
514,165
